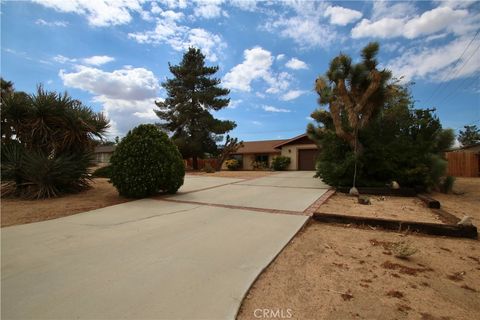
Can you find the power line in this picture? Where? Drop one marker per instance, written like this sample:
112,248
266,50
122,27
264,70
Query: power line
458,87
456,62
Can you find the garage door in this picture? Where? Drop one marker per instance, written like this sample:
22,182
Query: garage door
307,159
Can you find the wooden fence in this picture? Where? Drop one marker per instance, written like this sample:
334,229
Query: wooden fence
463,164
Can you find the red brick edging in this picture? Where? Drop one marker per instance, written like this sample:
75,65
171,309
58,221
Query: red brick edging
234,207
323,198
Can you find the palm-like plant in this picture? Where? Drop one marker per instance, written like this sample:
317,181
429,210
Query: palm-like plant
47,143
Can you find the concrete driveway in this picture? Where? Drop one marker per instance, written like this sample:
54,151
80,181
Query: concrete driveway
165,258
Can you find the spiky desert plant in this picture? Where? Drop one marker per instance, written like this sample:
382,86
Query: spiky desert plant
47,143
403,249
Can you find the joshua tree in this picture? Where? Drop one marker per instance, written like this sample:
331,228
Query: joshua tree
353,92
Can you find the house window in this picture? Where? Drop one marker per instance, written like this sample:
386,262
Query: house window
262,158
238,157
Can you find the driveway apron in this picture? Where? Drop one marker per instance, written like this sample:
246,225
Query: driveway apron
189,256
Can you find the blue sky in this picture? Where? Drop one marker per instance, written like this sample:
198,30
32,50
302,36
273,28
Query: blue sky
114,55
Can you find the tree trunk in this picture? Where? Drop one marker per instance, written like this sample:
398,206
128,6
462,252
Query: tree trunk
195,163
220,161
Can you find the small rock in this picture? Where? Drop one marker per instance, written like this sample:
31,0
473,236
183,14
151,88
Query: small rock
354,191
364,200
395,185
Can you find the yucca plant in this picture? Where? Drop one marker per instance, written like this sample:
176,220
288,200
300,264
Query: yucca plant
47,143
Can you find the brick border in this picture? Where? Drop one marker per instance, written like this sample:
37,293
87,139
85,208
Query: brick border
256,185
307,212
314,206
234,207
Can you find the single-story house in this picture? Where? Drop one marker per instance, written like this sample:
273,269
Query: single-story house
301,150
103,154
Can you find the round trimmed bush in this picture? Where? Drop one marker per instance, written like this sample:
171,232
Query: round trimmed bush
146,162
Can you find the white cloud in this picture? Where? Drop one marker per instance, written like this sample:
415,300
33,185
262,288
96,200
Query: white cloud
247,5
279,82
304,27
234,103
292,94
98,60
383,28
439,63
127,95
51,23
443,19
94,60
296,64
62,59
433,21
208,9
256,65
99,13
280,57
174,4
342,16
257,123
392,9
181,37
273,109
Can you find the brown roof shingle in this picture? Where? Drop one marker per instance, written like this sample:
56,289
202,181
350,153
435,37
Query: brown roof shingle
266,146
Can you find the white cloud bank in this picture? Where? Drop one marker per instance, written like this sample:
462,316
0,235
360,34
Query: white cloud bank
127,94
93,60
342,16
439,63
256,65
430,22
180,37
274,109
51,23
292,94
305,27
296,64
99,13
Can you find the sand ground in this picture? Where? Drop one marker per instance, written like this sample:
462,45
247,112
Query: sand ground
334,272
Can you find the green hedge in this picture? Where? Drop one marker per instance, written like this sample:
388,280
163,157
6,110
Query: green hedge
280,163
146,162
103,172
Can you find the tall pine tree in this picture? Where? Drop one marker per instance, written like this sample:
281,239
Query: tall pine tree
192,94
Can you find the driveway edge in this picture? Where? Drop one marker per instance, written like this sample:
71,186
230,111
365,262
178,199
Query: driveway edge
302,227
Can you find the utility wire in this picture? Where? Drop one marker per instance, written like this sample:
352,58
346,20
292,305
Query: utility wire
456,62
456,90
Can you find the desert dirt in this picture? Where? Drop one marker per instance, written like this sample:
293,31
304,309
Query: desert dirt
465,199
17,211
233,174
335,272
385,207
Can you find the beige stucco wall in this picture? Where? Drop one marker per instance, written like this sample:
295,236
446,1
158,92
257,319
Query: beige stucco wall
103,157
291,151
248,159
